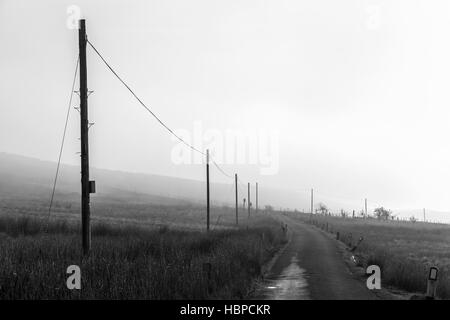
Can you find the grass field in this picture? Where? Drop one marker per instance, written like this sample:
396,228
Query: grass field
403,250
145,251
132,260
118,211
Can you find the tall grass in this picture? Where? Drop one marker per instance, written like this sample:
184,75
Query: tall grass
131,262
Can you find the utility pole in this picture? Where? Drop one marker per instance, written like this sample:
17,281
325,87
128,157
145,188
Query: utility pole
256,197
236,192
86,186
312,201
207,189
248,199
365,207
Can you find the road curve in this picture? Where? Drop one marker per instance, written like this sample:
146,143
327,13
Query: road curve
311,267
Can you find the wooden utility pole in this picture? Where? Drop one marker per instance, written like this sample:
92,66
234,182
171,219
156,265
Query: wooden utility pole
248,198
365,208
256,198
85,184
207,189
312,201
236,192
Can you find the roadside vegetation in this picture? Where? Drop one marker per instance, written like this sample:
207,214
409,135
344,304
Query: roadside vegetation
132,262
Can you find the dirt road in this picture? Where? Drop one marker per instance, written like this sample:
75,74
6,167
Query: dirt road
311,267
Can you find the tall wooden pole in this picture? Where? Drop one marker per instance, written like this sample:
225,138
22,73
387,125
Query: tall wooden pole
85,197
365,207
248,199
256,198
236,192
207,190
312,201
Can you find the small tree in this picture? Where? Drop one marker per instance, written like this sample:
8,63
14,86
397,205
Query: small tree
382,213
413,219
323,209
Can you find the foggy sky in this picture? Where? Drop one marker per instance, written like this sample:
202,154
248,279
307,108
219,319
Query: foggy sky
356,89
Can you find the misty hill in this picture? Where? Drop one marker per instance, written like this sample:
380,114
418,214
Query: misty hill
25,177
29,178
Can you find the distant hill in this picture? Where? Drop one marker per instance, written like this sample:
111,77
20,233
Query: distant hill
23,177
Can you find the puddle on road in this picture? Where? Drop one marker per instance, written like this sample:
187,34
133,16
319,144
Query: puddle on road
289,285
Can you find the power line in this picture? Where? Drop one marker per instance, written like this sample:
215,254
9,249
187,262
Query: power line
62,143
221,170
143,104
153,114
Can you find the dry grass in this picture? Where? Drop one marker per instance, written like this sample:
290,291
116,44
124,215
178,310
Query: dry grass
131,262
186,217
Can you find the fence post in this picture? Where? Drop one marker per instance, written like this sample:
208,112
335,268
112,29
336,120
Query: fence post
207,190
432,283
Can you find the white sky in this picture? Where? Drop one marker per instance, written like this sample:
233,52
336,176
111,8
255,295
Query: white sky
358,90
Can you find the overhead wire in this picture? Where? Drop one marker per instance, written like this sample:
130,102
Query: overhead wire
62,144
153,114
142,103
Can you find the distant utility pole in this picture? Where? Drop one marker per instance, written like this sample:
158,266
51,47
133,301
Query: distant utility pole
312,201
365,207
248,198
236,191
87,186
256,197
207,189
